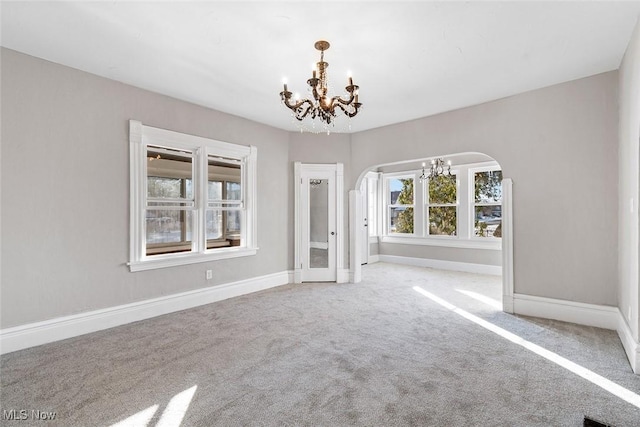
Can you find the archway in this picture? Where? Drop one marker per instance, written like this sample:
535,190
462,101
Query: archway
474,236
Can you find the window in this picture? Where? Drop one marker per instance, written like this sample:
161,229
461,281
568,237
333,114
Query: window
170,200
487,203
192,199
400,204
462,210
442,206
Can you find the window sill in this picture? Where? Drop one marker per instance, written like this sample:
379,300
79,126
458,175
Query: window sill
173,260
450,242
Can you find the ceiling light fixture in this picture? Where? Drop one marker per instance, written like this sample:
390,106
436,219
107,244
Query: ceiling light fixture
437,169
322,106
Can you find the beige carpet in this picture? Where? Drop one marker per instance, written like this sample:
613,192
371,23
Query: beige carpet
377,353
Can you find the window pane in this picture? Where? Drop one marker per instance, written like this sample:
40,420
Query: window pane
488,221
233,221
442,220
214,225
488,186
214,190
169,229
234,191
401,191
442,190
401,220
158,187
169,173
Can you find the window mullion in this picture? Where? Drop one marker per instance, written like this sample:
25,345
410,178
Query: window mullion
419,199
198,237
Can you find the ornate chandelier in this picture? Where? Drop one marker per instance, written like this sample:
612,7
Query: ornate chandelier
437,169
322,106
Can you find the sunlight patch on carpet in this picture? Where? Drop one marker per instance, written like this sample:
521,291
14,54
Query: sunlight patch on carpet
600,381
493,303
140,419
171,416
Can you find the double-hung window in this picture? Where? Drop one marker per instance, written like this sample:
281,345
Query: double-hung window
487,203
192,198
442,206
400,203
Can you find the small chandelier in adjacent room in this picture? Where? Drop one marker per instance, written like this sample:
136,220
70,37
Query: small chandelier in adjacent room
437,169
322,106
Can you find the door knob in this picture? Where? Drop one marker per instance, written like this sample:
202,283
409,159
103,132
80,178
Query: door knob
332,233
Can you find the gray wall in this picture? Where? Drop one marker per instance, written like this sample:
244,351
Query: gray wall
558,145
65,192
468,255
629,158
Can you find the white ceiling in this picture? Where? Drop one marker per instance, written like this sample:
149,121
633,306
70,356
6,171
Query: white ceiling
410,59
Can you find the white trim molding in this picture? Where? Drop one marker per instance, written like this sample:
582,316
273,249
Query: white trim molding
507,246
38,333
630,345
142,137
467,267
600,316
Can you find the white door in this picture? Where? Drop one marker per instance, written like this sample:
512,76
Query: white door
317,215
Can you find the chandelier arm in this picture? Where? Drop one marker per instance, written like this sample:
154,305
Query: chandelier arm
343,101
295,105
300,112
348,113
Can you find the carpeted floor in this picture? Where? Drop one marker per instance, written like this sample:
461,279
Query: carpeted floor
377,353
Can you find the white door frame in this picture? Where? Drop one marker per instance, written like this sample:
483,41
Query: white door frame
336,171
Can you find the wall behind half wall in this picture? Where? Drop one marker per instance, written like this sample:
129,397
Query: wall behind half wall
558,145
65,192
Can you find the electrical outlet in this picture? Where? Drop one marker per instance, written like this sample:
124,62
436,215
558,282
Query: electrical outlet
209,274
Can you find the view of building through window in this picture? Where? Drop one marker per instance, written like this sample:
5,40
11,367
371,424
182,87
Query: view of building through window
401,205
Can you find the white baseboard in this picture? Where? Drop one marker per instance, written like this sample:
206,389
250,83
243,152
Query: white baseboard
373,259
33,334
600,316
631,346
443,265
343,276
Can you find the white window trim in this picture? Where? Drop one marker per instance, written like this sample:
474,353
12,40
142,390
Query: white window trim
465,239
139,137
472,200
387,201
428,204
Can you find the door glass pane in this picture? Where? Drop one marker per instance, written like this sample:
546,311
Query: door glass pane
319,223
